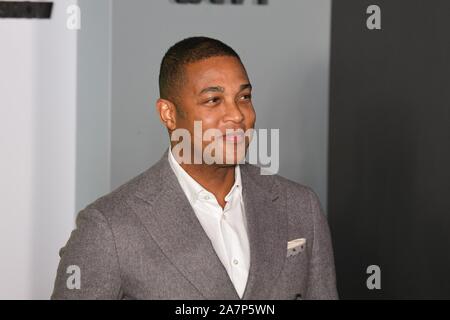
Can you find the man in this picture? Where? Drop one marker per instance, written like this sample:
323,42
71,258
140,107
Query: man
189,229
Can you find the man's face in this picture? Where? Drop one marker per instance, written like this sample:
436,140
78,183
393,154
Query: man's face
217,92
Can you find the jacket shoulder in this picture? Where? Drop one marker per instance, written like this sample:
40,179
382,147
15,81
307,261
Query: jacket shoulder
268,180
119,198
302,203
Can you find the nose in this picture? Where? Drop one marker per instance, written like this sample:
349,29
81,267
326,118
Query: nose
233,113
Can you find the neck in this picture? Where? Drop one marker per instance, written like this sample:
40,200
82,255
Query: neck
216,179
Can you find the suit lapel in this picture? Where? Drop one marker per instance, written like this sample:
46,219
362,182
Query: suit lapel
171,221
267,231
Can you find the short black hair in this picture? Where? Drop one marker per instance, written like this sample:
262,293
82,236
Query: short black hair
187,51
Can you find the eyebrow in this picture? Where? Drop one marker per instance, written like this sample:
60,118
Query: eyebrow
222,89
245,86
213,89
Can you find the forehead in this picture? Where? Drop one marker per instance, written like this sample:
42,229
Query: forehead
224,71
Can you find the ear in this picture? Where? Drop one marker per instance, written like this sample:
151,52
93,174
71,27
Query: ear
167,112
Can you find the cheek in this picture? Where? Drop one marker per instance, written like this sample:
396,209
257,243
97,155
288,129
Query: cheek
209,120
184,123
250,117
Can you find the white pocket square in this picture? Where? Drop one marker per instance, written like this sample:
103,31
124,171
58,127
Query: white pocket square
295,246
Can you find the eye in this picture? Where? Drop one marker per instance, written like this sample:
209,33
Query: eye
212,100
246,97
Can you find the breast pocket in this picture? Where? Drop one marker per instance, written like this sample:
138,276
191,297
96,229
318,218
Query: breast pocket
296,256
293,278
295,247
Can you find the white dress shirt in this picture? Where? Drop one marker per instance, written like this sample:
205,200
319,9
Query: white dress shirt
226,228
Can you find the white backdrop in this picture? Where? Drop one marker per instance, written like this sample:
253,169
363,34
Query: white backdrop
37,139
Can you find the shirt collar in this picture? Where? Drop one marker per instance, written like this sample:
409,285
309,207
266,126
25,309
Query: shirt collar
192,188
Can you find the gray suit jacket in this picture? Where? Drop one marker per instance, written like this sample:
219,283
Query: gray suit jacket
143,241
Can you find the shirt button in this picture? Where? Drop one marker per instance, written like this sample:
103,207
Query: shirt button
235,261
206,197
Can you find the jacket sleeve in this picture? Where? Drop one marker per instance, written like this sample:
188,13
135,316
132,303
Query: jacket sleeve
322,277
89,267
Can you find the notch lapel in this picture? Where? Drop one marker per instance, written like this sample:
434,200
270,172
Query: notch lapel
169,218
267,230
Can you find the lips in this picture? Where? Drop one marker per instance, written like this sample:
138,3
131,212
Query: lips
235,137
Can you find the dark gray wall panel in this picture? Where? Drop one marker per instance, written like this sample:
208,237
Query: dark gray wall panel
389,153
